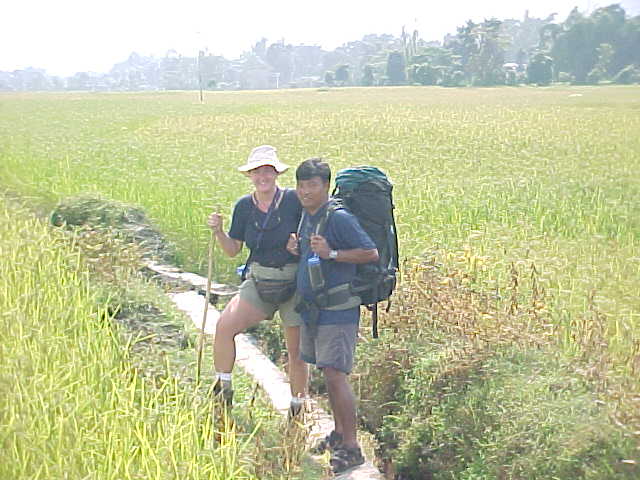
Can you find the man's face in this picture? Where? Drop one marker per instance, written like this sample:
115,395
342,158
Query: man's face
313,193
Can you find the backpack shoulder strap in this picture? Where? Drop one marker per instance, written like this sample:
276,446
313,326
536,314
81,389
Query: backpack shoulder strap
302,217
333,206
320,226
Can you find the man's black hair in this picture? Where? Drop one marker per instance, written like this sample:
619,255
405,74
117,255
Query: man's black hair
314,167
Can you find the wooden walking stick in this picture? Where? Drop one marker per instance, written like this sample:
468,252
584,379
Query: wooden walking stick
207,295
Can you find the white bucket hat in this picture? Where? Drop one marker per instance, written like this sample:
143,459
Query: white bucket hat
263,155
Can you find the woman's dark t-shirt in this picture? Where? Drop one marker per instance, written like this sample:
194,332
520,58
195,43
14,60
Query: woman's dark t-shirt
247,221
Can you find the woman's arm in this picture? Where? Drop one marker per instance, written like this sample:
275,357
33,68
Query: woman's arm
229,245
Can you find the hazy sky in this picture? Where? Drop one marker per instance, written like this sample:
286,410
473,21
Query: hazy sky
67,36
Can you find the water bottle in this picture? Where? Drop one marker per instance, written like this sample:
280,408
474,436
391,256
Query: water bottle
315,273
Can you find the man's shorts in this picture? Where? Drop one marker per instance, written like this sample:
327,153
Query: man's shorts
248,293
334,346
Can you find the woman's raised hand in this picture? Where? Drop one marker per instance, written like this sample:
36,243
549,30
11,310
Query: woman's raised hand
215,222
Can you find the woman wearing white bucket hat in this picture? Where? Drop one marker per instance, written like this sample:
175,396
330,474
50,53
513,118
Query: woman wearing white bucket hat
263,220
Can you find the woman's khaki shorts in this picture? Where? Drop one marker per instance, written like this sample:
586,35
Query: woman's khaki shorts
248,293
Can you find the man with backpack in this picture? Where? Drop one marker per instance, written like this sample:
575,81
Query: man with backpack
331,243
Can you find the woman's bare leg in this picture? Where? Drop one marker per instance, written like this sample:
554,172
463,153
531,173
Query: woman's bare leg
238,316
298,369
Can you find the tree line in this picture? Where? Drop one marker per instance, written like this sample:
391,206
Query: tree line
583,49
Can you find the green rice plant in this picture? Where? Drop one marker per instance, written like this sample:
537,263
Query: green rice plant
78,403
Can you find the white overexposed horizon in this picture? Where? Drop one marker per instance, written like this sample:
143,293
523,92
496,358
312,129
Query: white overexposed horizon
72,36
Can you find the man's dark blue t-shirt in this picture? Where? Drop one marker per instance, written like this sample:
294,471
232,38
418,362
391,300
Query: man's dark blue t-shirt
248,221
342,232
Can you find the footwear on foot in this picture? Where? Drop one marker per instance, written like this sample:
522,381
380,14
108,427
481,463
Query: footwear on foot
222,391
295,409
344,458
330,442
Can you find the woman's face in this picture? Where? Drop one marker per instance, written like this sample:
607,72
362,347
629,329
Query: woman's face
263,178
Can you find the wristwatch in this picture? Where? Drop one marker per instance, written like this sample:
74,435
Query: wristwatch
333,254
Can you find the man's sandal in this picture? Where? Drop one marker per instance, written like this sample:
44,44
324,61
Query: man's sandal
330,442
344,458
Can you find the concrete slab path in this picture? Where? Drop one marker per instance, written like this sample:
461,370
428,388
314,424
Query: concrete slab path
255,363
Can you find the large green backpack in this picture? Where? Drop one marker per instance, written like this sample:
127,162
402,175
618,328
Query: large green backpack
366,192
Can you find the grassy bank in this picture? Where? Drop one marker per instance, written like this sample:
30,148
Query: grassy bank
462,386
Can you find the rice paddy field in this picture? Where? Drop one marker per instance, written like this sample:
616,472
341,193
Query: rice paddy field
548,176
542,181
